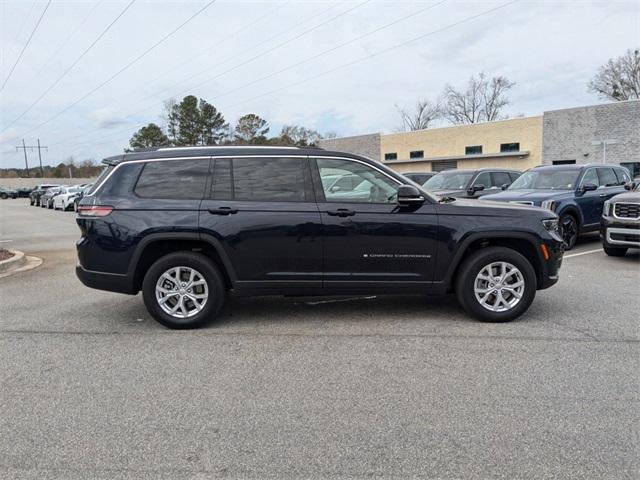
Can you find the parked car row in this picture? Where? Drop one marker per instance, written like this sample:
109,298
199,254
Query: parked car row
58,197
576,193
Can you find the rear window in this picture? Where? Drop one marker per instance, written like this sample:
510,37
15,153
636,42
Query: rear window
173,179
607,177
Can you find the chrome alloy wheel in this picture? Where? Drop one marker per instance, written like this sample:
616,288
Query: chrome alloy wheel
499,286
182,292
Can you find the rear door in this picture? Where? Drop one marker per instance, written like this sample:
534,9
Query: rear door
261,210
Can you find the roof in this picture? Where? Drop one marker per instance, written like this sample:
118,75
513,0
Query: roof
478,170
217,151
573,166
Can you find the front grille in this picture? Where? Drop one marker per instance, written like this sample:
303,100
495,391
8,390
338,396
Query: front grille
621,237
626,210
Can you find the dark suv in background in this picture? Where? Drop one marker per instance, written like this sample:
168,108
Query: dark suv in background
188,225
575,192
470,183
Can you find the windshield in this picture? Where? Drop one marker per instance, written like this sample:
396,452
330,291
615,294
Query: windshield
452,180
546,180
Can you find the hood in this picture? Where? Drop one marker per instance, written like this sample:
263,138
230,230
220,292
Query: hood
628,197
489,208
447,193
534,196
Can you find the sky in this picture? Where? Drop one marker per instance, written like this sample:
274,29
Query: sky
93,72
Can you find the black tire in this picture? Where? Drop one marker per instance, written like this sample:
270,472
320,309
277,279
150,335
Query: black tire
31,202
4,196
471,267
615,251
569,229
211,275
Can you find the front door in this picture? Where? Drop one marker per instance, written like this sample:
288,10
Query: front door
369,242
261,210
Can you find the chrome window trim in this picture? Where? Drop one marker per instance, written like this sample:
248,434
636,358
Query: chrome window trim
209,157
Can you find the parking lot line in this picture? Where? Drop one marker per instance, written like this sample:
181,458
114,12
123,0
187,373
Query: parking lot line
583,253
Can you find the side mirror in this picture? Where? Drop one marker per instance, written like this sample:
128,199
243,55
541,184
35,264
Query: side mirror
474,189
408,195
589,187
630,186
505,186
335,188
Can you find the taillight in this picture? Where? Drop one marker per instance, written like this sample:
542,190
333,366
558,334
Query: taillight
94,210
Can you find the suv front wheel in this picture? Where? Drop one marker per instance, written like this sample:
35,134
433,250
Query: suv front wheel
183,290
496,284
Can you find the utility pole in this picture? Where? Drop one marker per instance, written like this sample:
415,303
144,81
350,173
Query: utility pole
32,147
26,162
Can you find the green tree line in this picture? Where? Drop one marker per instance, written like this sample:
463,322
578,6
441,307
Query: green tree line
194,122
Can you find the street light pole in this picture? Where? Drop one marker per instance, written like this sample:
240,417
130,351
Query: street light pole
604,143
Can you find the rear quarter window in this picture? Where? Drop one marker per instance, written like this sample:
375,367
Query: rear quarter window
173,179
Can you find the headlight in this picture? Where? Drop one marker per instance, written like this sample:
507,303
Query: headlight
606,208
549,205
550,225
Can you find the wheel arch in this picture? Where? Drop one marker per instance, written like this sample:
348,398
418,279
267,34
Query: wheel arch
154,246
522,242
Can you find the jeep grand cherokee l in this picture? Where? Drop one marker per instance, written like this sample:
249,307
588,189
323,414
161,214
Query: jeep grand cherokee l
187,226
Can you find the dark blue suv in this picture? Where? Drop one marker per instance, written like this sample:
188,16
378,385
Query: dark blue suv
188,226
576,193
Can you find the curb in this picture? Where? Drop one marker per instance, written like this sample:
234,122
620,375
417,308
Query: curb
18,260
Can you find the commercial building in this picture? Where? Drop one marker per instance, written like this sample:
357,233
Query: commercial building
599,133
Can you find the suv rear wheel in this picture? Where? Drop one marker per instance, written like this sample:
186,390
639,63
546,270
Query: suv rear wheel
183,290
496,284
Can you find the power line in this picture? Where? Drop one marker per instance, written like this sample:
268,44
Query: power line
229,58
127,66
260,55
70,67
26,45
17,37
366,57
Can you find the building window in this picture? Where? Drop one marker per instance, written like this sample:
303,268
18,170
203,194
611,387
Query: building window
473,150
510,147
444,165
391,156
564,162
416,154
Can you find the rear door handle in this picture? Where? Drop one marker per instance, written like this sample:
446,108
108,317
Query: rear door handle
341,212
223,211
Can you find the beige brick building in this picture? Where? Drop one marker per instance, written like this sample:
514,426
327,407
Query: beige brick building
515,143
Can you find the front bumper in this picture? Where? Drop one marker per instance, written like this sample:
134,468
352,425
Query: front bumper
620,233
551,266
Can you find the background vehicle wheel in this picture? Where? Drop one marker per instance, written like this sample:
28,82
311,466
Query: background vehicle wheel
31,202
615,251
4,196
496,284
569,229
183,290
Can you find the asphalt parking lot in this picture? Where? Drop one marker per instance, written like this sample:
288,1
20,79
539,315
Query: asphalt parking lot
92,387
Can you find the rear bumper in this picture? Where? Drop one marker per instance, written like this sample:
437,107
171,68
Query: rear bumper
105,281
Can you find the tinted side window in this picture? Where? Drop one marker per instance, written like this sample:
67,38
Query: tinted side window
269,179
483,179
590,177
122,180
500,178
514,176
623,176
607,177
173,179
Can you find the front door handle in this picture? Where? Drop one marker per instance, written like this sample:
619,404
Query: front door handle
341,212
602,195
223,211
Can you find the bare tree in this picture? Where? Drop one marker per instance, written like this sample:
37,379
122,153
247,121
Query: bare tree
423,115
619,78
482,101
